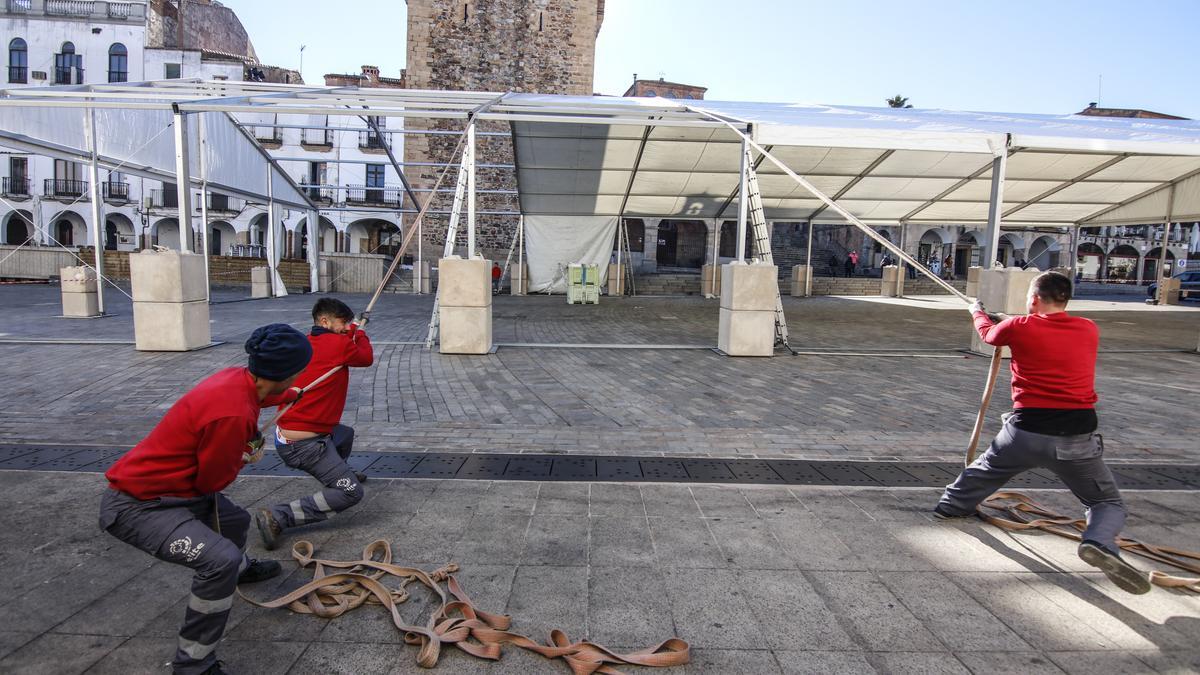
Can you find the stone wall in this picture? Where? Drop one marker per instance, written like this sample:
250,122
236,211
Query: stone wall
542,46
223,270
197,24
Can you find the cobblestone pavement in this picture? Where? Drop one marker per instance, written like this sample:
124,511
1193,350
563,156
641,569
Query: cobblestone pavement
757,579
918,405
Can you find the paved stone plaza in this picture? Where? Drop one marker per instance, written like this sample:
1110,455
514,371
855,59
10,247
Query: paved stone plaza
757,579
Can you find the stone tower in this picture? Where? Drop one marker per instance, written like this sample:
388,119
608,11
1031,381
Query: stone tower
540,46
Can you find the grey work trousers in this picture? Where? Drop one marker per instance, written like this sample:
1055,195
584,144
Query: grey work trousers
1077,460
179,530
323,457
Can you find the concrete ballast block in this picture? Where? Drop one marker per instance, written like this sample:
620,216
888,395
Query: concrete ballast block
749,287
171,326
167,276
464,283
80,304
889,284
801,274
746,332
464,330
519,279
260,275
77,279
616,279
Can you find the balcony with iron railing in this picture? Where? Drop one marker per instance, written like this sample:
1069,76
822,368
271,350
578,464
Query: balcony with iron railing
164,199
16,187
18,75
224,203
68,75
268,135
57,187
381,196
115,191
19,6
370,140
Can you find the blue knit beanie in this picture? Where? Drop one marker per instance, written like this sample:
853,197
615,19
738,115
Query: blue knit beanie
277,351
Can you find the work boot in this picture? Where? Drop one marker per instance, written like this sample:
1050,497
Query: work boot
260,570
940,512
1127,577
362,477
269,528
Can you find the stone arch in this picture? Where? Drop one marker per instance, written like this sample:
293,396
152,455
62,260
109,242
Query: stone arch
374,235
221,236
1044,253
1010,248
683,243
119,233
1091,260
18,227
68,228
1150,263
165,232
1121,263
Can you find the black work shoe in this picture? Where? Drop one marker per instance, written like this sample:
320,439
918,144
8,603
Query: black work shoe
260,570
217,668
1127,577
269,528
362,477
942,513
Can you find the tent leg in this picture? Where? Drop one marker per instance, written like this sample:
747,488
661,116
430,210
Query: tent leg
271,243
98,225
313,229
741,232
204,245
183,180
808,261
471,190
995,206
1163,272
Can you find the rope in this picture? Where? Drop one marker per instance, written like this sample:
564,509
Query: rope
339,586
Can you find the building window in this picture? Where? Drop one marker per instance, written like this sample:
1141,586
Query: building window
18,61
68,66
171,71
118,63
651,92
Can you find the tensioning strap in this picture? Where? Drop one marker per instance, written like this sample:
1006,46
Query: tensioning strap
339,586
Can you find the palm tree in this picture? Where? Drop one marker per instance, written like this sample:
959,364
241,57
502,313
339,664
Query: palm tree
898,101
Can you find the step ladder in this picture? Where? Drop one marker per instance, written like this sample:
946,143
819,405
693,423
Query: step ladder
761,243
460,192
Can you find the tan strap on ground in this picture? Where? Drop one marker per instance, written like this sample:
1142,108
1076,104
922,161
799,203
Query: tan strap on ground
1016,512
456,621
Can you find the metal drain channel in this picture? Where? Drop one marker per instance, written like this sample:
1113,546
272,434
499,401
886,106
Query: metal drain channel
595,468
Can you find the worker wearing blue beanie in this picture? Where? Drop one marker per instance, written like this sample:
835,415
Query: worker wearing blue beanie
165,497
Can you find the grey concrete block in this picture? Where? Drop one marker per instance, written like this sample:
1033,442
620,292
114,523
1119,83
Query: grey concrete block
166,276
171,326
80,304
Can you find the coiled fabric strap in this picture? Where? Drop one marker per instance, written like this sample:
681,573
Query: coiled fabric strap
339,586
1016,512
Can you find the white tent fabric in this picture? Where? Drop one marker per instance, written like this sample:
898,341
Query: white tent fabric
553,242
144,143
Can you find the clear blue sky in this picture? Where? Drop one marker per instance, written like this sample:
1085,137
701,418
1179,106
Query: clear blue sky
1017,55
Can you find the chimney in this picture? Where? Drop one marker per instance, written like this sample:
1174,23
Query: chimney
371,74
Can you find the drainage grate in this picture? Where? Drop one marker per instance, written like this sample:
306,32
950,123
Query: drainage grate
623,469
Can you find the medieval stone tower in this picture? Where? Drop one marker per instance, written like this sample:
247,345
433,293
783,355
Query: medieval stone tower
541,46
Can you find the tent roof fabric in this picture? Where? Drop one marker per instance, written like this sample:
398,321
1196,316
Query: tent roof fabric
581,155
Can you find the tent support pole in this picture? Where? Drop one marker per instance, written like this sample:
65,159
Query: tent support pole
1163,274
742,210
98,226
808,261
313,227
183,179
991,245
716,245
904,245
620,245
470,190
204,244
521,255
272,245
420,275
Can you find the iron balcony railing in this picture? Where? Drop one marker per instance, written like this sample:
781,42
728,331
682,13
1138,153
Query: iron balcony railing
18,75
219,202
317,137
68,75
373,196
369,140
20,6
166,199
268,134
65,188
16,187
115,191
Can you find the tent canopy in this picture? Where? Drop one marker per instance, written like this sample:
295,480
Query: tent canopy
607,156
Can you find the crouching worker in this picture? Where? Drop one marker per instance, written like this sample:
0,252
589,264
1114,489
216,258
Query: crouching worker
310,436
1052,424
165,498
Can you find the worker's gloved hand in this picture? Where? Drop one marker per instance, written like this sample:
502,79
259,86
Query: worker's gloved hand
362,319
299,394
976,306
254,450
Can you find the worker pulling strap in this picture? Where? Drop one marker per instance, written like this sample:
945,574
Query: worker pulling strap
339,586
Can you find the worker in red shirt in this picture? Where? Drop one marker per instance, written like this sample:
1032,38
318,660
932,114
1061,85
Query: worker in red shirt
165,498
310,436
496,274
1052,424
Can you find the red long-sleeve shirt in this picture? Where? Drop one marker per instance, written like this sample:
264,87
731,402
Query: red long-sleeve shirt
197,447
321,407
1053,358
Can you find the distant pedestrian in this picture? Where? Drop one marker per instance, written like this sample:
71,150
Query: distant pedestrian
834,263
496,274
948,268
887,260
935,266
851,263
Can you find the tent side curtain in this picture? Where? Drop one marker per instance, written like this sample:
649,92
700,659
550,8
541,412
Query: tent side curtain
144,139
554,242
